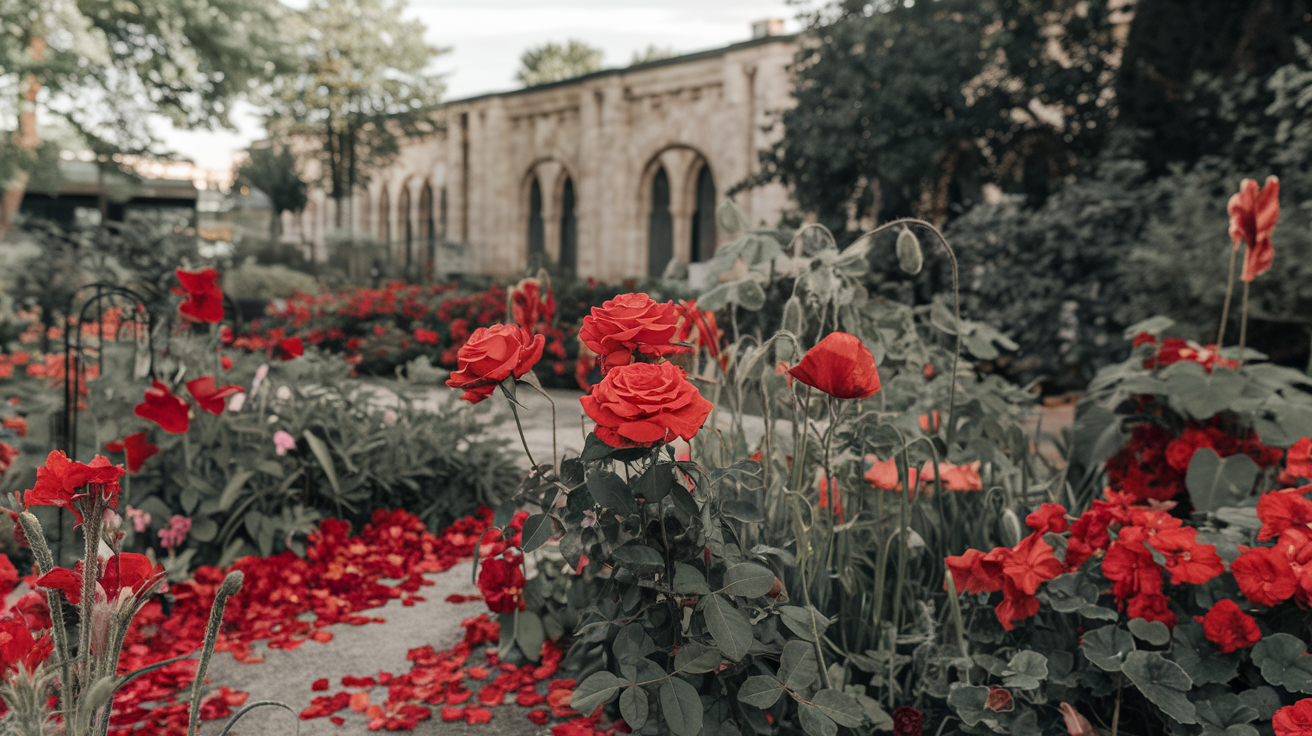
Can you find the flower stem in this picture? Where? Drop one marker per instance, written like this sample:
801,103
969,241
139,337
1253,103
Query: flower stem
520,427
1243,324
1229,291
90,573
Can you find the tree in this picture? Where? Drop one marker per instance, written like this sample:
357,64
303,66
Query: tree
363,85
105,69
552,62
910,108
653,53
271,169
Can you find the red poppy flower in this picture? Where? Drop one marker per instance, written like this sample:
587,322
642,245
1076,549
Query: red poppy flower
883,474
204,297
1050,517
1253,216
209,397
290,349
645,404
1264,576
1294,720
137,449
492,355
160,406
1230,628
502,583
226,362
955,477
17,647
839,365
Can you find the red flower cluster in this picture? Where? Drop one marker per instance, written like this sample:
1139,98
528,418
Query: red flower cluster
67,484
501,579
1230,628
1269,576
1153,463
1174,350
1294,720
126,571
204,297
1017,572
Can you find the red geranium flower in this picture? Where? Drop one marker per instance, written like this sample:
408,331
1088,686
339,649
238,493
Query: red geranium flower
59,481
973,572
492,355
1294,720
1253,216
7,454
160,406
209,397
1282,510
502,582
1230,628
1264,577
839,365
17,647
1298,461
204,297
1050,517
290,349
1031,563
126,571
645,404
137,449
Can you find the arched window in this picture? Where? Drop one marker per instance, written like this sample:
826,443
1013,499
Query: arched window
403,214
660,226
537,240
384,221
441,216
703,217
363,225
569,230
426,230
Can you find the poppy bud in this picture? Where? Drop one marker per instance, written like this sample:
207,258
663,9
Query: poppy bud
909,256
776,590
793,322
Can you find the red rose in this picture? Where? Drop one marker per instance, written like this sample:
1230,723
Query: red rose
841,366
1000,700
907,721
137,449
629,323
1230,628
1294,720
1253,216
209,397
502,583
645,404
160,406
492,355
1264,577
204,297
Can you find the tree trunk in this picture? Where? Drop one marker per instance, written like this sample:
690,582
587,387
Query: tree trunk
26,139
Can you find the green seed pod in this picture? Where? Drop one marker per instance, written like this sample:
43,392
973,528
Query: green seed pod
909,256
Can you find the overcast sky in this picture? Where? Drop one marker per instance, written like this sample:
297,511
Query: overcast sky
486,37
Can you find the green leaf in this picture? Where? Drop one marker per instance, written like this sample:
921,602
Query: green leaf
681,706
234,487
529,634
1284,662
204,529
1153,632
800,621
743,511
815,722
839,707
747,580
632,643
325,459
969,701
598,689
1026,670
689,580
537,530
1107,647
1153,326
633,707
728,626
695,657
639,558
797,665
1163,682
611,492
1214,482
760,691
655,483
1201,395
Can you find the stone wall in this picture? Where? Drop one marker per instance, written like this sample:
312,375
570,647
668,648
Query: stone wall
463,201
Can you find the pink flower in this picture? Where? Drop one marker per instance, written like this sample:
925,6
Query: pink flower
176,532
140,519
282,442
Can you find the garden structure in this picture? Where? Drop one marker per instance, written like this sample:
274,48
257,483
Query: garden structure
781,505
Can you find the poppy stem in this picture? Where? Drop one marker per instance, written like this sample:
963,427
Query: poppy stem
1229,292
520,427
1243,324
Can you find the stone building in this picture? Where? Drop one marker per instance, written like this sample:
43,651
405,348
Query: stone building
609,175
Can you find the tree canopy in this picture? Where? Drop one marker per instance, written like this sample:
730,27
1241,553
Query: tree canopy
272,169
552,62
363,83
